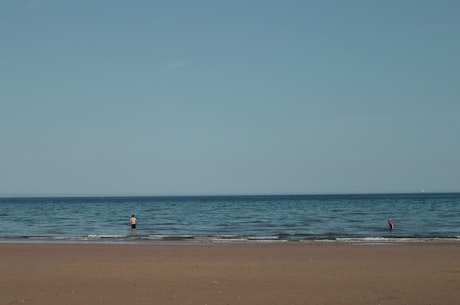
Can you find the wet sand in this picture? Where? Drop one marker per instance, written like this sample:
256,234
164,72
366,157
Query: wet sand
249,273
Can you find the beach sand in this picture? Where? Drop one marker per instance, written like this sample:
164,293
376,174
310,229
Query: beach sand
248,273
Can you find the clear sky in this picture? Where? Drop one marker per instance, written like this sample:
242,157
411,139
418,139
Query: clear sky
229,97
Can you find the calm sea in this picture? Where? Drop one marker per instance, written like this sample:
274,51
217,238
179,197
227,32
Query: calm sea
232,218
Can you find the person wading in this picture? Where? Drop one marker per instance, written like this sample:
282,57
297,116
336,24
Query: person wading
133,222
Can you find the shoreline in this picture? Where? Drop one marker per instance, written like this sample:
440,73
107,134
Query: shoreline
223,241
317,273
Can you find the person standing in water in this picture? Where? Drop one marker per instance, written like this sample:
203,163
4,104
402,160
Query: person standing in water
133,222
391,226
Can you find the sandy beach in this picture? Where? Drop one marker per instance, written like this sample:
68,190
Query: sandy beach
248,273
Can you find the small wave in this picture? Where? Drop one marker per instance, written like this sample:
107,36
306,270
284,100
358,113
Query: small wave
38,238
145,238
386,240
105,236
267,238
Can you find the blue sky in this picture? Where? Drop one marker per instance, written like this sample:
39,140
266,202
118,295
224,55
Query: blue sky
229,97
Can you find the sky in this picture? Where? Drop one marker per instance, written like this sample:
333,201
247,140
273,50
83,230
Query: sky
114,97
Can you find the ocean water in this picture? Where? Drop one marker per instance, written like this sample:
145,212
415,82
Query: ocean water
232,218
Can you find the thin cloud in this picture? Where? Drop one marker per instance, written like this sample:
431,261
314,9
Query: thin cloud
176,65
33,4
445,28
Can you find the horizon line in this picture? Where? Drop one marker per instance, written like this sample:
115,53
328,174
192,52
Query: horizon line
216,195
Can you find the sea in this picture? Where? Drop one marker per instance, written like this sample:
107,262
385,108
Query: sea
226,219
